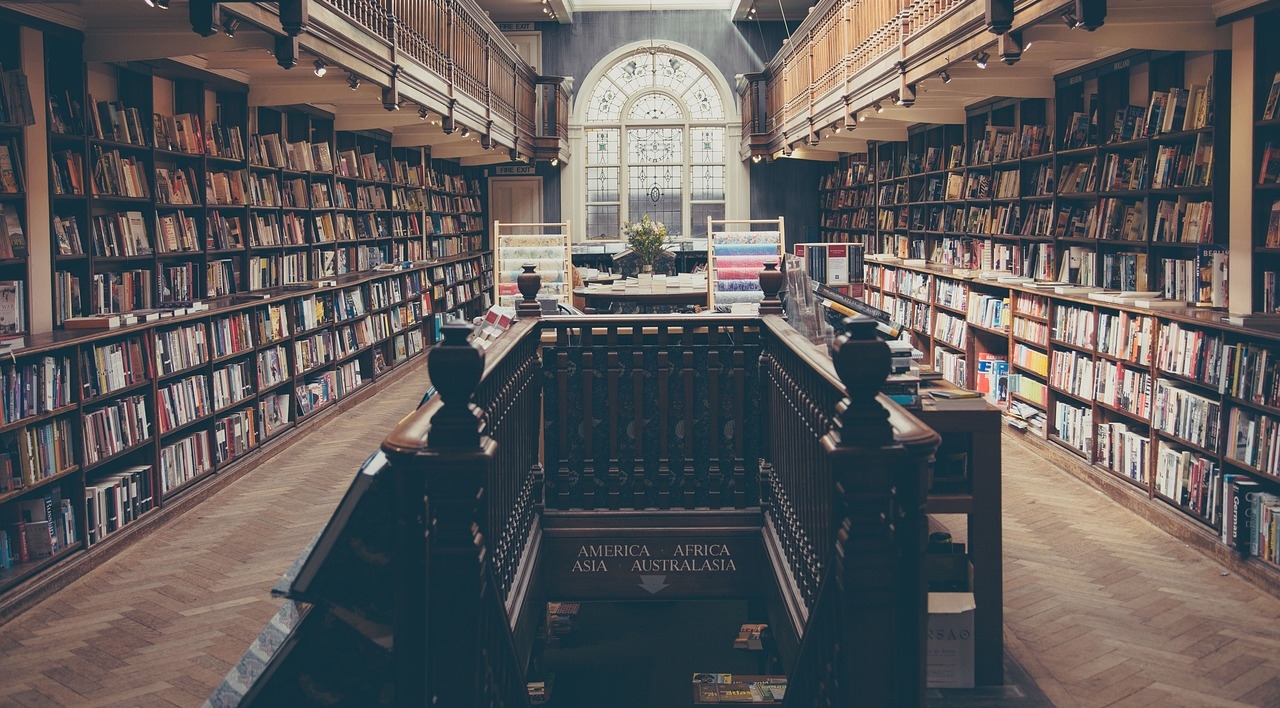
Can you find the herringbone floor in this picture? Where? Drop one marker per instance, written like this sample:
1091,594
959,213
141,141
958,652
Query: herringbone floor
1101,608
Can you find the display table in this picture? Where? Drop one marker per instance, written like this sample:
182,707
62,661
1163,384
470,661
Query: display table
742,689
643,297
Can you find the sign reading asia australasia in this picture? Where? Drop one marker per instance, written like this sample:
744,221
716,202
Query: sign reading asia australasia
670,566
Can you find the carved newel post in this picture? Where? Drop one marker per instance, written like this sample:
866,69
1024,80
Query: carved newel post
772,281
455,367
441,529
879,522
529,283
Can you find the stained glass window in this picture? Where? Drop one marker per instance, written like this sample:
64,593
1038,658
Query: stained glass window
657,118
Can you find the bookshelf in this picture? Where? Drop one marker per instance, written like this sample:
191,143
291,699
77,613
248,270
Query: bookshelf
16,115
256,281
167,402
1173,408
1266,190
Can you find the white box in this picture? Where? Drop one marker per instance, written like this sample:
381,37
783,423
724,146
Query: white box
949,649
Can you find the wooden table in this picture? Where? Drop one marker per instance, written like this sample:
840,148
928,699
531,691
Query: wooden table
672,296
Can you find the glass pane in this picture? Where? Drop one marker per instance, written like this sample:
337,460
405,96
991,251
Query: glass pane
708,182
602,222
655,145
655,190
606,102
708,145
602,184
602,146
655,106
700,214
703,100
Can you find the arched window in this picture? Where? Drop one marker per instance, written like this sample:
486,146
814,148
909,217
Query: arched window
655,136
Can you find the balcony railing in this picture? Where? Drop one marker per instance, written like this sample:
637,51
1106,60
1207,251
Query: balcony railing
841,50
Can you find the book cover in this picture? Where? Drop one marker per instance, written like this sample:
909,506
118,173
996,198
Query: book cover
11,307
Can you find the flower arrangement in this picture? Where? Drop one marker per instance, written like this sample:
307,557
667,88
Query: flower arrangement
646,238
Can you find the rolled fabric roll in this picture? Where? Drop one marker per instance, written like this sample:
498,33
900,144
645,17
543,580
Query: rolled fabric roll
748,237
754,262
508,289
737,273
747,249
737,285
729,298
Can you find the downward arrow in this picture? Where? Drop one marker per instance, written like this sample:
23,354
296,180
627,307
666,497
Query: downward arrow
653,583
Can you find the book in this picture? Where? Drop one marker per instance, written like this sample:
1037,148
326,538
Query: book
1273,98
92,322
10,167
12,308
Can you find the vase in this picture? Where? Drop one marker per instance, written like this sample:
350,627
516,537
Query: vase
646,268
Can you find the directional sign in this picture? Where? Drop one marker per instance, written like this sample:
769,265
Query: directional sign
716,563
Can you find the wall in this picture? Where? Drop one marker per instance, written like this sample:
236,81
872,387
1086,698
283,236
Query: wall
735,48
789,188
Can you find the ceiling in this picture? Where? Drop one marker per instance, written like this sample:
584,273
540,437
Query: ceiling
531,10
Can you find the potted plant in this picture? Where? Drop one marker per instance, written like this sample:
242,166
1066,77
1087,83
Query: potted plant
647,239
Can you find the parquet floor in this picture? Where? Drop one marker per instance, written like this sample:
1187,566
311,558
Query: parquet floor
1101,608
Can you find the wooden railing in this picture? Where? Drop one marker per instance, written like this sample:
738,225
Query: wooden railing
661,413
844,488
820,65
651,413
455,41
465,514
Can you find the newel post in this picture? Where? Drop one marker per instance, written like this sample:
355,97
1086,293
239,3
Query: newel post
772,281
440,545
878,516
529,283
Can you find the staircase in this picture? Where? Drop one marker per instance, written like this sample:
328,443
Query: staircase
630,459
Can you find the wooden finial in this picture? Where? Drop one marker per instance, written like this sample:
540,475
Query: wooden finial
862,360
455,367
529,283
772,281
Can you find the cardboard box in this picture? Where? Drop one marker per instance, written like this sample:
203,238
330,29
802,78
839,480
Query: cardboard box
950,640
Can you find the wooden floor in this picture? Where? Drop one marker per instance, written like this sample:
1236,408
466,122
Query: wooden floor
1101,608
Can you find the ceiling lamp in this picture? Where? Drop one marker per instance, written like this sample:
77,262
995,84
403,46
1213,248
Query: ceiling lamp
981,59
321,67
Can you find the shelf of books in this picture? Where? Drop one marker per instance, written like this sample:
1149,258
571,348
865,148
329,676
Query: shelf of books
104,425
1062,255
1266,151
221,276
546,247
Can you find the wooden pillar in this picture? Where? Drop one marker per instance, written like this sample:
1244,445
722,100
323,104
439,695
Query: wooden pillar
440,527
880,528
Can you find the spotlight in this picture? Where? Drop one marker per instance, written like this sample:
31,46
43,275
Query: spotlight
546,10
755,158
1069,19
879,108
555,162
321,67
897,100
465,131
162,4
353,81
946,77
981,59
229,26
751,13
835,128
150,3
422,113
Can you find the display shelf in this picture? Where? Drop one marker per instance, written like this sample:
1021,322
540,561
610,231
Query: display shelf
546,246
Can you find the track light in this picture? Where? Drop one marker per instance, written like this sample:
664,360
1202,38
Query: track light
755,159
555,162
229,26
321,67
422,113
897,100
879,108
150,3
946,77
353,81
465,131
546,10
835,128
162,4
981,59
1069,19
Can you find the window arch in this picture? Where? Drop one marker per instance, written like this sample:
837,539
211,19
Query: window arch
655,136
